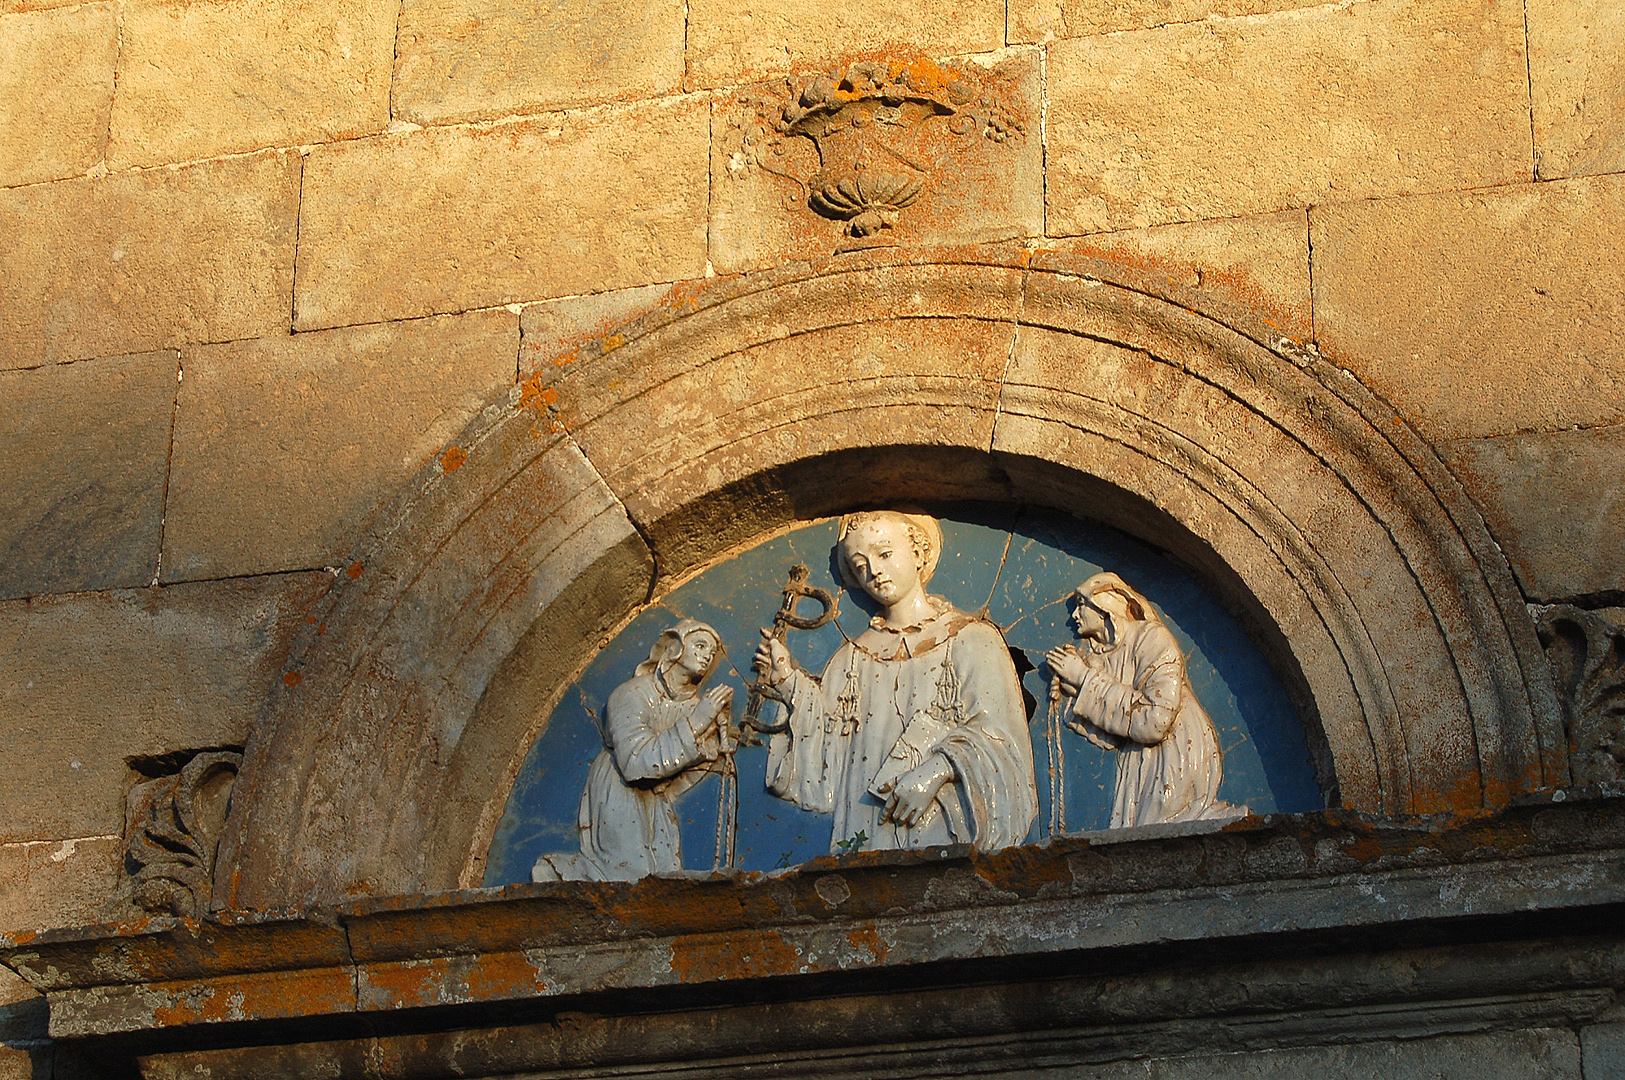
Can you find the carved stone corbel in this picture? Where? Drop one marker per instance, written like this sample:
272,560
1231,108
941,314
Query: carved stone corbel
1587,654
172,828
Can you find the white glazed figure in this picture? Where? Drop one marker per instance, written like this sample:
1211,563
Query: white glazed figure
1129,693
916,733
660,735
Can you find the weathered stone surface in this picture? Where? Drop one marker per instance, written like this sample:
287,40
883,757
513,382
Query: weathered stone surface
23,1025
1480,313
285,447
1541,1054
24,1062
144,260
1216,119
513,549
24,1019
1586,650
1556,504
1217,919
86,449
51,883
977,188
733,41
25,1051
803,376
1170,411
457,60
1602,1050
447,220
1042,20
553,332
13,1025
87,681
56,88
196,80
841,1041
1259,264
1576,71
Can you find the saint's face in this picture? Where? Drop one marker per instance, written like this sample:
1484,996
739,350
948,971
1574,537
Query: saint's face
1087,620
699,650
881,559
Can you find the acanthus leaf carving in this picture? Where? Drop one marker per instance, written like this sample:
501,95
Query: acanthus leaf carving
1586,650
172,829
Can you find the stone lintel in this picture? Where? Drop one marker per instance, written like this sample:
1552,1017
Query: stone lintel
1163,895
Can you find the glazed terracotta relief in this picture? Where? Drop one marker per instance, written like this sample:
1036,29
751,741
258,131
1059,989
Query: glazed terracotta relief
890,680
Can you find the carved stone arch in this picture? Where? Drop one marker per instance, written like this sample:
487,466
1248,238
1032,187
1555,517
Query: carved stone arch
1312,509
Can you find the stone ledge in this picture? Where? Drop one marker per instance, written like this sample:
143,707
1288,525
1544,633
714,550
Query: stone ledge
928,916
1019,1031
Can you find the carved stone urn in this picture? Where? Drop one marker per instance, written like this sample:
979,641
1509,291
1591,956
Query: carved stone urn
876,126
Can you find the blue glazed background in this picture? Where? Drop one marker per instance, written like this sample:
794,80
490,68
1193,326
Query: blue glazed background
1021,567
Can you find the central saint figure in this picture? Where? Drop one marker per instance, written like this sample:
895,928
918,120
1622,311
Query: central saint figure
916,733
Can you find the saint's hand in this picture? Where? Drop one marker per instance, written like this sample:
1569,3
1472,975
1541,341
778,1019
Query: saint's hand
773,659
912,797
717,700
704,721
1068,666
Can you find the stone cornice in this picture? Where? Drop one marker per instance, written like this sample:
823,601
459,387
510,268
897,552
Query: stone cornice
845,922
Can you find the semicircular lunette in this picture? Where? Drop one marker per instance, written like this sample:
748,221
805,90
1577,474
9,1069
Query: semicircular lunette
1299,499
590,773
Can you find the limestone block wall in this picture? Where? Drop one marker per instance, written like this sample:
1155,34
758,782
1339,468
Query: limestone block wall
261,259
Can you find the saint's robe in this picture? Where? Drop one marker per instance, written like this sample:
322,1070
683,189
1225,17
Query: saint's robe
628,824
887,701
1137,701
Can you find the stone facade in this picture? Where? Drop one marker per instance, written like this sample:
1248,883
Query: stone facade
267,269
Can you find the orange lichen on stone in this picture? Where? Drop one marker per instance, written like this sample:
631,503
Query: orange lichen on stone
734,956
354,570
924,74
292,678
868,940
1235,283
1498,793
538,399
203,1005
1024,869
1029,254
685,294
453,459
267,995
1465,796
407,985
498,976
